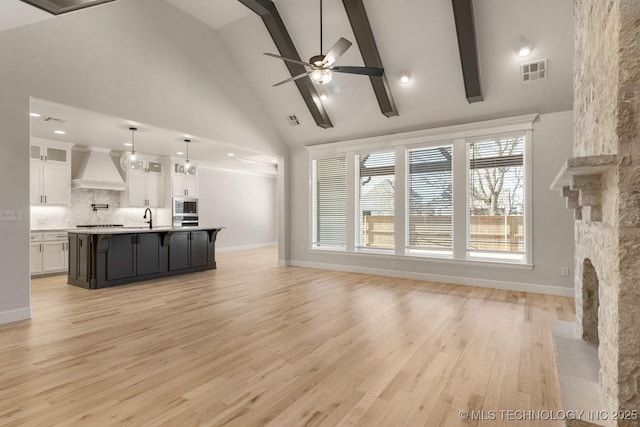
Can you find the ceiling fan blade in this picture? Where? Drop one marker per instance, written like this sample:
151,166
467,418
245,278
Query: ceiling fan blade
290,79
369,71
336,51
295,61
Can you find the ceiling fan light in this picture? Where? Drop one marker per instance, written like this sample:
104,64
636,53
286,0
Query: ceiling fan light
322,77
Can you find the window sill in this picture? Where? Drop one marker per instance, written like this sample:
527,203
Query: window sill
382,254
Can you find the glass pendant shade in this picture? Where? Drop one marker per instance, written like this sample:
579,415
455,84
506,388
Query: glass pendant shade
188,166
130,159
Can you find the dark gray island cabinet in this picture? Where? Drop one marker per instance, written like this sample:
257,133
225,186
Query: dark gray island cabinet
99,258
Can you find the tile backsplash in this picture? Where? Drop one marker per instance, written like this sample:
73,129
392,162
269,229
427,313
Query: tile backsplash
80,212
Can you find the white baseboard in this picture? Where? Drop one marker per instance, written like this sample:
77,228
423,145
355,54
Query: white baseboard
284,263
244,247
15,315
456,280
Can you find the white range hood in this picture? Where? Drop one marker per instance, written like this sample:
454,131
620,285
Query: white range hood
96,169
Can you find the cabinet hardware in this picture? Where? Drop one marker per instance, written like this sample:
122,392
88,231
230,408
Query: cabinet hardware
40,199
63,246
41,157
40,247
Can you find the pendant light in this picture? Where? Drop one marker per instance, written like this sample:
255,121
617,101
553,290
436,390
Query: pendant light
129,159
187,164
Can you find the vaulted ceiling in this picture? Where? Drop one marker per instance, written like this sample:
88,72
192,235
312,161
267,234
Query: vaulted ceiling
414,36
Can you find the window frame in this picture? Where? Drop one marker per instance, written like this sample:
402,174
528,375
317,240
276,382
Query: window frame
313,187
458,136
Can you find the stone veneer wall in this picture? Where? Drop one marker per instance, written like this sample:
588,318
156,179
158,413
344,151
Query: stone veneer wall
628,129
607,121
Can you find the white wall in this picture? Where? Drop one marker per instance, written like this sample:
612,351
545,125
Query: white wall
144,60
552,228
244,203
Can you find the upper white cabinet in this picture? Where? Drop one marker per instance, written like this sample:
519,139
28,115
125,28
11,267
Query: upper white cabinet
145,185
184,182
50,177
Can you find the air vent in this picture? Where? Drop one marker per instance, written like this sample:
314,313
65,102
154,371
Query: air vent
532,71
52,120
293,120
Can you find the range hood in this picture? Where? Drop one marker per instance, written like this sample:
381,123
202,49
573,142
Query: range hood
96,169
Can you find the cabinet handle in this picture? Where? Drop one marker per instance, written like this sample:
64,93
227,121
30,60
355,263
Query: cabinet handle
40,247
63,246
45,197
41,157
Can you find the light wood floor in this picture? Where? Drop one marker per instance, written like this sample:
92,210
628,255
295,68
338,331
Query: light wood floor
253,344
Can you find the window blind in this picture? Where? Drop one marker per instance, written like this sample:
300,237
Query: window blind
331,200
496,195
430,201
376,200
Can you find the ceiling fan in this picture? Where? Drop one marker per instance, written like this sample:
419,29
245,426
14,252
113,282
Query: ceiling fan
321,66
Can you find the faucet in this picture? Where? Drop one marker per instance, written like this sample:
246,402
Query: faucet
150,217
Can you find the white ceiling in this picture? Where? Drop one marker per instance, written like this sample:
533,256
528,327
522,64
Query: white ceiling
87,128
417,36
216,13
15,13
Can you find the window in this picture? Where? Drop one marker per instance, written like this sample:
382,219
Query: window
496,198
462,195
376,202
330,203
430,201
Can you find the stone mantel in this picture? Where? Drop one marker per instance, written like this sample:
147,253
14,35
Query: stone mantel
579,179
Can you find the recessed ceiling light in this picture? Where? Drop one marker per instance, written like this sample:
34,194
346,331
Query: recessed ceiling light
524,50
231,155
59,132
34,115
405,78
324,97
128,144
179,153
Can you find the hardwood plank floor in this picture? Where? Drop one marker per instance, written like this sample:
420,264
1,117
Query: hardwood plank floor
253,344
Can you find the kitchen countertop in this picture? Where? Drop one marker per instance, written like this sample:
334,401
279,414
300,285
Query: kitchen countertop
137,230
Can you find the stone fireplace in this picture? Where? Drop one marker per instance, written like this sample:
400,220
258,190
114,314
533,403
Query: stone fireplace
602,187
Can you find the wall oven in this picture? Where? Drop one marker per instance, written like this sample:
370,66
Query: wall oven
185,212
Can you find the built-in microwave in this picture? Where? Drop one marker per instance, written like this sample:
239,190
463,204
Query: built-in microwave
185,206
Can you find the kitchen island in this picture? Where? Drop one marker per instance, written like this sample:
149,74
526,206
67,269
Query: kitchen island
104,257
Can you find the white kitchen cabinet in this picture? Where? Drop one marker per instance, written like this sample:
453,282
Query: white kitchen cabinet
36,253
50,173
184,185
54,256
50,184
43,151
145,189
49,252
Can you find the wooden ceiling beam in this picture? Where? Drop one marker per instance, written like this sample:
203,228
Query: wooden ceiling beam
466,32
266,9
369,51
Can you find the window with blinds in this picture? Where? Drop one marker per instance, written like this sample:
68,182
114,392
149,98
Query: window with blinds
496,198
330,203
430,201
376,200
